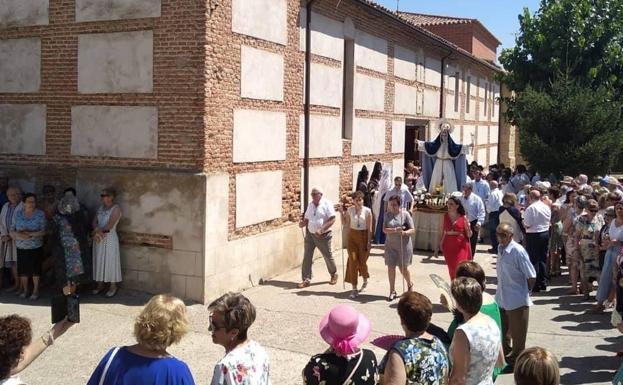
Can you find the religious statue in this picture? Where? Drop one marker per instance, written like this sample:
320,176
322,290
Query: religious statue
443,161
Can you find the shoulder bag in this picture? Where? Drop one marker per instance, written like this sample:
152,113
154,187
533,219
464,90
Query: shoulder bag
105,371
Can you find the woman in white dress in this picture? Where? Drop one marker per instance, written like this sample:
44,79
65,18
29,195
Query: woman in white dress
476,347
106,258
8,249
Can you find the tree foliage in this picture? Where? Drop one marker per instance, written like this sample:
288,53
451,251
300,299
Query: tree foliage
569,128
567,72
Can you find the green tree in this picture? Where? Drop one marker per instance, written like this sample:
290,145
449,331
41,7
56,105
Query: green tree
578,39
569,128
567,72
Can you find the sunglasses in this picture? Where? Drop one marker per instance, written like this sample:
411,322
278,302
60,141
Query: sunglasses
104,195
212,326
594,211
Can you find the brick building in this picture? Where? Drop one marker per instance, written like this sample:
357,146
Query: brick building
193,111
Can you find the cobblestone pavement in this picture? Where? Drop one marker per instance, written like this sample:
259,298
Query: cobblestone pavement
288,319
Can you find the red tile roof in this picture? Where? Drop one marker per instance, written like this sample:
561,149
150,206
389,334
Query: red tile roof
420,29
424,19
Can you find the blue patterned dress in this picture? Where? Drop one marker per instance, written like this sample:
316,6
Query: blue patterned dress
426,361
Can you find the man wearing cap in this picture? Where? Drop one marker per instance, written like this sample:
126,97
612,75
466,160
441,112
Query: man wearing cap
318,219
475,210
613,185
537,221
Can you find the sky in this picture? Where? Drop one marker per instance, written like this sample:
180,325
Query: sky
498,16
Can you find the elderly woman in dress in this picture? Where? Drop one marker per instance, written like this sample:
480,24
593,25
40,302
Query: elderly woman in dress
587,226
106,258
162,323
245,361
8,250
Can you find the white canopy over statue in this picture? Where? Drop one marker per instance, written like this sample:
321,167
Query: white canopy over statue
443,161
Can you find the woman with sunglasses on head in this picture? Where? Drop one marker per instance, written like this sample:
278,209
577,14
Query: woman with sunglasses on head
245,361
587,229
106,258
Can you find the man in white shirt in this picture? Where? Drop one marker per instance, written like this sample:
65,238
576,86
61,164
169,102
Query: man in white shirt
493,204
406,198
475,211
537,221
318,219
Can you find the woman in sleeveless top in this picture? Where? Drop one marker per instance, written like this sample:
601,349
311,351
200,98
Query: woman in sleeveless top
456,233
476,347
106,258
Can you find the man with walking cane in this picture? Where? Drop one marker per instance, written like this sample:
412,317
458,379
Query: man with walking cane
318,219
398,226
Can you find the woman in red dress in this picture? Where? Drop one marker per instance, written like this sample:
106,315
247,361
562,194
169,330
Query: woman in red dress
456,233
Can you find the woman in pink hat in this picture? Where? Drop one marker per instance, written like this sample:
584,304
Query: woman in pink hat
344,329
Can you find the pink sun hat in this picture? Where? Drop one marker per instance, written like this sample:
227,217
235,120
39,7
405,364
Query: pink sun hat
344,328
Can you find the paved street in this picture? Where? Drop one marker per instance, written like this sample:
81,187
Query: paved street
287,326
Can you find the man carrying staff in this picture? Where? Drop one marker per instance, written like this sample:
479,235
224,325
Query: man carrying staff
318,219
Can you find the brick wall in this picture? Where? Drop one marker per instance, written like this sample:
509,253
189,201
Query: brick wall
178,85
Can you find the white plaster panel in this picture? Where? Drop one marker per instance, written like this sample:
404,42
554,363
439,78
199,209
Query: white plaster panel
327,35
259,136
404,63
493,155
264,19
368,136
15,13
481,87
405,99
432,71
496,90
116,62
97,10
326,86
371,52
494,134
266,187
398,168
115,131
261,74
325,136
398,136
22,129
468,134
369,93
481,156
482,136
327,178
449,111
485,92
495,112
20,65
431,103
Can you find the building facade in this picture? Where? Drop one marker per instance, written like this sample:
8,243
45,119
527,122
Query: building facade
193,111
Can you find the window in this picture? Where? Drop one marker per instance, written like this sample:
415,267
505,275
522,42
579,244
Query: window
456,91
347,88
468,94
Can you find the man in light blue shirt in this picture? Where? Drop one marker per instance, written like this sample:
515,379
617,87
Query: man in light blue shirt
481,187
516,277
475,211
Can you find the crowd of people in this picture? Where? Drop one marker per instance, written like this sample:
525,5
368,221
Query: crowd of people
54,240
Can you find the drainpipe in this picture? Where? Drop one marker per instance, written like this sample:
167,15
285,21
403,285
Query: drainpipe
442,100
307,103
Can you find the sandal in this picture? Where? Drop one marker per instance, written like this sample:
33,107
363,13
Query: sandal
410,287
392,296
34,296
111,293
363,286
354,294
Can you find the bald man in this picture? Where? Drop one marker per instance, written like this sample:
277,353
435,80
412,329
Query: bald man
537,221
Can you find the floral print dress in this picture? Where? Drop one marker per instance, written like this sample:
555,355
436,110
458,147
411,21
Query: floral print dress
330,369
426,361
245,365
587,231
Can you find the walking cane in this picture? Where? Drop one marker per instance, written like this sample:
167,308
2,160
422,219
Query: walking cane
402,260
343,273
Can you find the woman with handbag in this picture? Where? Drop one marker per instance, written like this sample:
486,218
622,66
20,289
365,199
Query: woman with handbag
344,329
455,236
162,323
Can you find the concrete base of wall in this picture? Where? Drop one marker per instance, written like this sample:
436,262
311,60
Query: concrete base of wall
174,230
